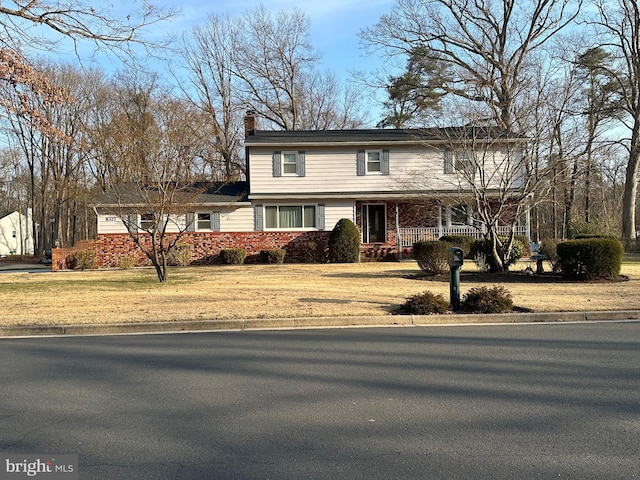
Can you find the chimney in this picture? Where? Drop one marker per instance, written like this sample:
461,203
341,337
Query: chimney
250,123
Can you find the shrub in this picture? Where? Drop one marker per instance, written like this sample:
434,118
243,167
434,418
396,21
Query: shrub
311,252
181,255
344,242
590,259
483,249
233,256
487,300
275,255
81,260
462,241
549,248
127,261
423,304
431,256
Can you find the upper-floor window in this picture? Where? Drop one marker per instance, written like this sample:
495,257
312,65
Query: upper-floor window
288,164
372,162
463,161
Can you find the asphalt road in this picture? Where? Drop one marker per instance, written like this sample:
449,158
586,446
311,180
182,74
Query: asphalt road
483,402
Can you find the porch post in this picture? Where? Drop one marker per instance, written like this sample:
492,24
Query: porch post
398,239
440,233
527,224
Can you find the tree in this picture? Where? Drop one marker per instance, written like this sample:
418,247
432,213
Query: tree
486,45
619,25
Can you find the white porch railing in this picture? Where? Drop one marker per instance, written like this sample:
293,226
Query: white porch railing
409,236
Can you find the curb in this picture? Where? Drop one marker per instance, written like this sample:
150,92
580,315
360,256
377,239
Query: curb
315,322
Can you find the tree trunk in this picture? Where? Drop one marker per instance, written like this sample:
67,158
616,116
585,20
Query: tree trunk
630,191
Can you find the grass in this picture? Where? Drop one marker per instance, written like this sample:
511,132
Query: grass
271,291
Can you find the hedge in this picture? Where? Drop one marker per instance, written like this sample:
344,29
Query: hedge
590,259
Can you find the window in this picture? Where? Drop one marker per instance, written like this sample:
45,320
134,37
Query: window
147,222
374,161
459,215
290,216
288,164
459,161
203,221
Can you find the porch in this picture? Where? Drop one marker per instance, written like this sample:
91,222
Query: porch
408,236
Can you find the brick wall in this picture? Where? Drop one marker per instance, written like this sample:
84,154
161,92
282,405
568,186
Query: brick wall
111,249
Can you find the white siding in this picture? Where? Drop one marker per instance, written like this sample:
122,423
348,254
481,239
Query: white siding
336,211
333,170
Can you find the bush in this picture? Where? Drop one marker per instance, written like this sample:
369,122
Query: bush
127,261
423,304
481,249
549,248
462,241
311,252
275,255
181,255
487,300
81,260
344,242
233,256
590,259
431,256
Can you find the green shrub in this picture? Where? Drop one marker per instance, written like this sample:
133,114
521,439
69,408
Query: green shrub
81,260
487,300
426,303
344,242
431,256
233,256
590,259
549,248
482,249
275,255
311,252
462,241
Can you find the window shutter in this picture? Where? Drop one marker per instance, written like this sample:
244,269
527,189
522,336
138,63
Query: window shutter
320,217
448,161
215,221
190,222
384,162
277,164
258,218
360,163
300,166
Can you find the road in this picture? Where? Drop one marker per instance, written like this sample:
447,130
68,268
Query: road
482,402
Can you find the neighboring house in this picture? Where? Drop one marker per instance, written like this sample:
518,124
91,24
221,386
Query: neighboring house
398,186
16,237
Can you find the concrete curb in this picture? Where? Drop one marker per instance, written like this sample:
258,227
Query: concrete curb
314,322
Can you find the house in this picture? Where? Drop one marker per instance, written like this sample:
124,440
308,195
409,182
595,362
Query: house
16,236
398,186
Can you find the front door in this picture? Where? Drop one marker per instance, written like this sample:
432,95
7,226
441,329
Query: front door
374,223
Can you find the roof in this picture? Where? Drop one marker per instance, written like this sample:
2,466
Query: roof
222,193
380,136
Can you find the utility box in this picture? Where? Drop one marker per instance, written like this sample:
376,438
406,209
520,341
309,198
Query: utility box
455,256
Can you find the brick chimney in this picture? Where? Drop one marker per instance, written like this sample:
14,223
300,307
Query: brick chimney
250,123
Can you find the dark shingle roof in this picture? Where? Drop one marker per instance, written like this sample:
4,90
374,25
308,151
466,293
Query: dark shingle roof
377,136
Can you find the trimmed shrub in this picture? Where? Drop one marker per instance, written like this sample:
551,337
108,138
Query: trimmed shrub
311,252
344,242
275,255
549,248
426,303
431,256
462,241
487,300
590,259
233,256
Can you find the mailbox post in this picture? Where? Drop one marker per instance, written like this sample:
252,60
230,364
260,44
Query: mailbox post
455,255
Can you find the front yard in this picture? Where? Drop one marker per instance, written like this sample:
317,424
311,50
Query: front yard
275,291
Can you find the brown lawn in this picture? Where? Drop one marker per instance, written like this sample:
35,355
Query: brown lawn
272,291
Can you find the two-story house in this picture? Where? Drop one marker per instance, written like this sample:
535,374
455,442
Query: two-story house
398,186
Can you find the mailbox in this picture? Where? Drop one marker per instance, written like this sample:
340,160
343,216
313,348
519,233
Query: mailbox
455,256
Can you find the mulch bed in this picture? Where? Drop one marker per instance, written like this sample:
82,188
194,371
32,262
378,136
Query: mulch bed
509,278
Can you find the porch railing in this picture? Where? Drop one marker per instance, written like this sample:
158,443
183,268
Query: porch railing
408,236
